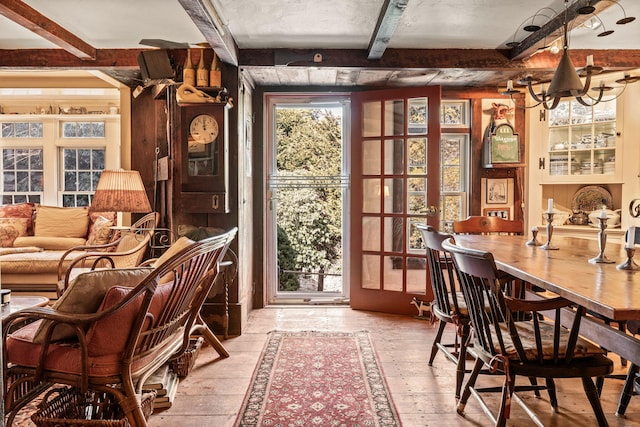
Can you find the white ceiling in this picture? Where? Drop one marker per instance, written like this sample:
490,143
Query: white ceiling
310,24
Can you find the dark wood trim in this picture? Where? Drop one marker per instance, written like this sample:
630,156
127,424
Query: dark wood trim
26,16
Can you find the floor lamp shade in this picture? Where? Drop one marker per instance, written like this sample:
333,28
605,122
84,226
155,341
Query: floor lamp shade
120,191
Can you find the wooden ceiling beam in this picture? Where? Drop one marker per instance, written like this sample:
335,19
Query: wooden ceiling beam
553,29
208,21
471,59
24,15
388,21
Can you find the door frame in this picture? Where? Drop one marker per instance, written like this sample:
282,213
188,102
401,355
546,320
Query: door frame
270,272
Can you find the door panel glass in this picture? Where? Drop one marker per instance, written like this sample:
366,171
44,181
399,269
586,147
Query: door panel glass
416,275
371,189
394,157
394,117
371,271
371,157
418,113
393,195
393,234
371,234
371,125
393,273
417,156
417,198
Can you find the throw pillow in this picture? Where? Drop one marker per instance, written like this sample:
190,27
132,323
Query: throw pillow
84,295
10,229
100,231
53,221
19,210
176,247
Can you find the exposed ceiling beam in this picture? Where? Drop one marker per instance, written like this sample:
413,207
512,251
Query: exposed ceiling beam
388,21
208,21
552,30
471,59
31,19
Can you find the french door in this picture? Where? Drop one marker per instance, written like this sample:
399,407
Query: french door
395,168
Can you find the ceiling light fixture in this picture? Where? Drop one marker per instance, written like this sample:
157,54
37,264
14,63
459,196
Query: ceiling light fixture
566,81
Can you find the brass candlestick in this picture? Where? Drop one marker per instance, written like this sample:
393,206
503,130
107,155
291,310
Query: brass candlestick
629,264
547,246
602,242
534,240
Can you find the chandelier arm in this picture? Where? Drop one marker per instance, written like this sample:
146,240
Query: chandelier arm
587,85
533,93
553,105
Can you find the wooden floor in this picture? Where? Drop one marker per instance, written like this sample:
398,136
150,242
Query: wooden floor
213,393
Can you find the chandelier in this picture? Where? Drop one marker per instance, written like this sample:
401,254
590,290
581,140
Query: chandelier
566,81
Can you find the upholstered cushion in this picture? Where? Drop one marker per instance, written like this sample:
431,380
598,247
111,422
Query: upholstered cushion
105,336
19,210
52,221
100,231
85,293
49,243
525,330
176,247
197,233
11,229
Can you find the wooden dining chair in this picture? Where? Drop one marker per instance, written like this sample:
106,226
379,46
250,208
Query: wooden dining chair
488,225
448,306
534,348
632,379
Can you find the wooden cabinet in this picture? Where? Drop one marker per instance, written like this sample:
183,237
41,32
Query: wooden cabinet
200,150
572,147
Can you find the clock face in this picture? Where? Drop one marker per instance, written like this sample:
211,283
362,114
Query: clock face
203,129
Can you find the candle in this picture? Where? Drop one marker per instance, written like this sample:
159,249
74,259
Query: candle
589,60
631,237
550,202
603,214
509,84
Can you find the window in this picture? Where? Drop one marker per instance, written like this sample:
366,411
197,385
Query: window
81,172
83,129
22,129
22,175
454,149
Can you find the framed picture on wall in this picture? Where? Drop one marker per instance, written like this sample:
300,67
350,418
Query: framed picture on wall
497,191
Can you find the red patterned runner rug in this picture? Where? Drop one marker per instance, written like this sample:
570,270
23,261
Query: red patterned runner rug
318,379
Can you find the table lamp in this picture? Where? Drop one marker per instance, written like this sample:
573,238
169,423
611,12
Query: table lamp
120,191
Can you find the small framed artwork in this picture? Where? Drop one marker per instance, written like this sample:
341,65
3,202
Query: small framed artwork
497,191
499,212
454,114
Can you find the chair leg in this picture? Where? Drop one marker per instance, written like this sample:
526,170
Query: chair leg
627,391
594,399
202,327
470,383
505,400
551,389
434,347
462,359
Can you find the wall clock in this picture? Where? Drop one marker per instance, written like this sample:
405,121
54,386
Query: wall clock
203,129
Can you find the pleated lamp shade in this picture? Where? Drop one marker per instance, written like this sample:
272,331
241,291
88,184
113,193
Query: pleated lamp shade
120,191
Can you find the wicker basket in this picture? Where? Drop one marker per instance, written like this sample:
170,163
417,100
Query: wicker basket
183,364
68,407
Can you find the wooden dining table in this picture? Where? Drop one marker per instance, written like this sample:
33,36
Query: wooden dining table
603,289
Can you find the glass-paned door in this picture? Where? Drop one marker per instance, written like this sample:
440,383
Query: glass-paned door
395,185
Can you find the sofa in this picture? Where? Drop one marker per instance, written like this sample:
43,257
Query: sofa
33,239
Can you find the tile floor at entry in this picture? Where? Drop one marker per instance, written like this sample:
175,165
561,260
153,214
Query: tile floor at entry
212,394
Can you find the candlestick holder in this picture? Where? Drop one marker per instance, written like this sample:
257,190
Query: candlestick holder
602,242
629,264
534,235
547,246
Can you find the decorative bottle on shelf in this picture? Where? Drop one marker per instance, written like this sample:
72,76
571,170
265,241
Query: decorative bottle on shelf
215,77
188,72
202,74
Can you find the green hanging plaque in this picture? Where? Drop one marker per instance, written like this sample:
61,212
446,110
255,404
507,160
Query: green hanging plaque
503,146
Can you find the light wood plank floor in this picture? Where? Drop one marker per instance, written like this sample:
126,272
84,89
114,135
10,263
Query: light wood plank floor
213,393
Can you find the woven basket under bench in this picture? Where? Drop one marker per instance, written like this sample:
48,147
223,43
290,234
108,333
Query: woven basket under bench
68,407
183,364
